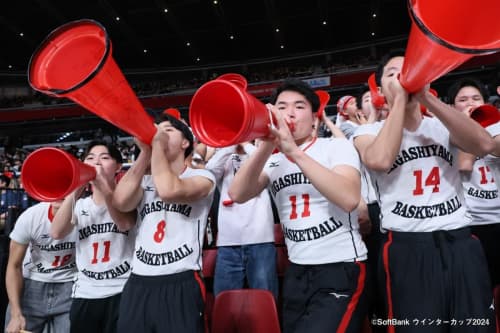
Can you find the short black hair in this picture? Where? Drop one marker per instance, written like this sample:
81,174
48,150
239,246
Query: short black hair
398,52
299,86
181,126
359,96
113,151
466,82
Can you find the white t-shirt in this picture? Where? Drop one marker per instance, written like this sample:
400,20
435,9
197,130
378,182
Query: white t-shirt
422,191
367,191
170,234
103,253
240,224
316,230
47,259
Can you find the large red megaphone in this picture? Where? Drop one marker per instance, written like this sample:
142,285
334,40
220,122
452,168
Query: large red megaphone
75,61
486,115
223,113
50,174
445,34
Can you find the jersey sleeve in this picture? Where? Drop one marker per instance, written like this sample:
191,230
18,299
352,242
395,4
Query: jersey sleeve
343,153
22,229
368,129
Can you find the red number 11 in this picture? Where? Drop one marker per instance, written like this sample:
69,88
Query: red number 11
306,212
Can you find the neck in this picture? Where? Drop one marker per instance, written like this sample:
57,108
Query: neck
413,117
303,140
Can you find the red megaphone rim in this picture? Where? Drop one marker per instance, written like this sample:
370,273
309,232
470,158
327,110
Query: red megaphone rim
485,115
49,174
412,9
36,67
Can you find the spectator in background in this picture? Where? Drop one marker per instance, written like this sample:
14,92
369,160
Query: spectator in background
245,238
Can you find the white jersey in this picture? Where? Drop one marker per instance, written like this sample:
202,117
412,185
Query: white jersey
422,191
240,224
103,253
481,194
316,230
170,234
367,191
47,259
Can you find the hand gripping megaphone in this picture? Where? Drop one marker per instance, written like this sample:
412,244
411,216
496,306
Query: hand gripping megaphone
50,174
75,61
445,34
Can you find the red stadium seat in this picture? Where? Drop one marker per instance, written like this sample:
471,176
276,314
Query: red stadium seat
279,238
209,257
245,311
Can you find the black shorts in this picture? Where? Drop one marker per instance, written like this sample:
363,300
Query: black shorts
324,298
489,235
436,282
165,303
94,315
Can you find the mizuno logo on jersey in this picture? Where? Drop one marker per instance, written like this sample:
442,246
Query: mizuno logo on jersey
149,189
85,213
338,295
274,164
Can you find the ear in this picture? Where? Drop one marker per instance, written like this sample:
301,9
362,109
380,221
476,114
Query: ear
185,144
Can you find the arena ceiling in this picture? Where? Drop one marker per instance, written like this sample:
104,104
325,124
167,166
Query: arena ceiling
178,33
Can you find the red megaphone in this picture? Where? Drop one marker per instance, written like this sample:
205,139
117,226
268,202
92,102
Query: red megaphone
222,113
378,100
74,61
445,34
50,174
486,115
324,97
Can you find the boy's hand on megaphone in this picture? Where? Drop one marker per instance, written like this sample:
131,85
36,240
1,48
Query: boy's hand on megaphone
395,90
284,139
161,137
101,182
142,146
423,94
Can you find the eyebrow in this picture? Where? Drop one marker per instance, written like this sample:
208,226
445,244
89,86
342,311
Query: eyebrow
94,154
296,102
391,68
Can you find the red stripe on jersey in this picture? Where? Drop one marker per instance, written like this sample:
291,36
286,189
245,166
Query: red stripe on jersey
305,148
351,307
50,214
198,279
390,313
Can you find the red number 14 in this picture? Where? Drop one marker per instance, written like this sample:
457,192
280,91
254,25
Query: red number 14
431,180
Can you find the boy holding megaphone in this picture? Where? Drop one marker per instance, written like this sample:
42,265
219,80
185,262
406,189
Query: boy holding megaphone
432,266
